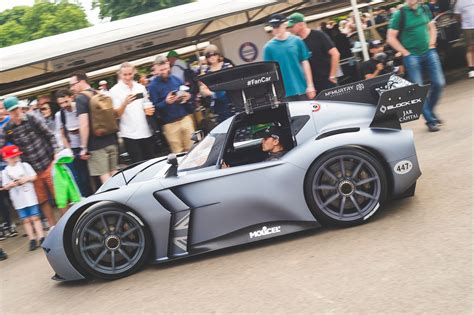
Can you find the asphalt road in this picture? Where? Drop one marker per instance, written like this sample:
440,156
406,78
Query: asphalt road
416,257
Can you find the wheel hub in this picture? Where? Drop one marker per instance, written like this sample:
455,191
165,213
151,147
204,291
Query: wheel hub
346,188
112,242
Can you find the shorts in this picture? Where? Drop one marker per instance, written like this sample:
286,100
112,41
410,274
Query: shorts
28,212
44,185
103,161
469,36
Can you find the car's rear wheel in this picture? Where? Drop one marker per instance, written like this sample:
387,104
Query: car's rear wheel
110,242
345,187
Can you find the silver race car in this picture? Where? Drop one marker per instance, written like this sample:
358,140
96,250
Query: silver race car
346,155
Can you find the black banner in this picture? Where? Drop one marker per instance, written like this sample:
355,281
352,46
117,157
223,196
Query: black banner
399,105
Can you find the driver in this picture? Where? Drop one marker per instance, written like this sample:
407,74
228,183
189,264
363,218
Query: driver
271,143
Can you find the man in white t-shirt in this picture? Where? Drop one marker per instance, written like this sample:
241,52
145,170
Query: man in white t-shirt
177,65
465,8
132,107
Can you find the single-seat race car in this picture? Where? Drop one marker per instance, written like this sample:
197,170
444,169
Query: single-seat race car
346,155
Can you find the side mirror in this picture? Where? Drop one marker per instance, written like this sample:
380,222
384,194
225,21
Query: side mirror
171,159
173,170
197,136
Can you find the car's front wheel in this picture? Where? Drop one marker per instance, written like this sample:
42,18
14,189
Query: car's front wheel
110,242
345,187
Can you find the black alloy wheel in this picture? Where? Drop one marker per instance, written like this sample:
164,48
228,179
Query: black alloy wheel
345,187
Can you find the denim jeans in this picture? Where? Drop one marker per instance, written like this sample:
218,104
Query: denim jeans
427,63
81,173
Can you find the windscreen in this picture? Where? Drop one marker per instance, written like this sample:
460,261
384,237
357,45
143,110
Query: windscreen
204,154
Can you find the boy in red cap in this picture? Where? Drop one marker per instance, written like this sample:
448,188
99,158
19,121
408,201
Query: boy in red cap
18,178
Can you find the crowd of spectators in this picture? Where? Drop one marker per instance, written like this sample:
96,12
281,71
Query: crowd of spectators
163,105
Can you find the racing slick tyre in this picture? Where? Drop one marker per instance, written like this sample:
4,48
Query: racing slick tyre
345,187
110,242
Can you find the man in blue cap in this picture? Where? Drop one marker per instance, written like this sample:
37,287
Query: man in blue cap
292,55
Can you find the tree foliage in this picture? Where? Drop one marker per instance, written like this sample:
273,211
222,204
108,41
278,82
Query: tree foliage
22,24
120,9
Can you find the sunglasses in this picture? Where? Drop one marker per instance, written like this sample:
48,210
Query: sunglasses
73,83
43,109
209,55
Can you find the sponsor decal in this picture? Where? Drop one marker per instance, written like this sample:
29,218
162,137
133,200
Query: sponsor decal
403,167
340,91
258,81
408,115
265,231
315,107
360,86
401,104
248,51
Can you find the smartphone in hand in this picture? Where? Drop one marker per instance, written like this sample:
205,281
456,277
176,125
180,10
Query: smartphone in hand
139,96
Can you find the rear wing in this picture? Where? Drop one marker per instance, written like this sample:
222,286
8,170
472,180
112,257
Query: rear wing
250,87
397,100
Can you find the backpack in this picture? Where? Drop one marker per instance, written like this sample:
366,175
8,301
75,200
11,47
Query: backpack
189,78
102,114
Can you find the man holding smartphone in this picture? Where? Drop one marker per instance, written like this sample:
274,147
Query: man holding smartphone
174,105
132,107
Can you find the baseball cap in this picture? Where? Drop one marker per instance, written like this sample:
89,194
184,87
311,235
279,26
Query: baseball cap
172,53
102,82
160,59
375,43
23,104
295,18
11,103
10,151
274,132
276,20
211,49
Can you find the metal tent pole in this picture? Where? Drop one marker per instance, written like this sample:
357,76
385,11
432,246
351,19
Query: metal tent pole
360,31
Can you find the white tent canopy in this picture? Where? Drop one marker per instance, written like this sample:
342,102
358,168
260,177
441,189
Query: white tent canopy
55,57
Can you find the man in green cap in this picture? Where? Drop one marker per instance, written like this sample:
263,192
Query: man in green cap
324,58
178,66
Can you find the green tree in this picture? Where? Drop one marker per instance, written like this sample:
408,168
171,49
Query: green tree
22,24
120,9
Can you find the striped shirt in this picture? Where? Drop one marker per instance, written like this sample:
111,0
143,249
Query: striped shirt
34,139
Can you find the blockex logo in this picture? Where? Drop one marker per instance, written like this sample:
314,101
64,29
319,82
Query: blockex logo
403,104
265,231
258,81
383,109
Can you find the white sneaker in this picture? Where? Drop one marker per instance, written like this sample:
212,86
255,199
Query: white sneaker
471,74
